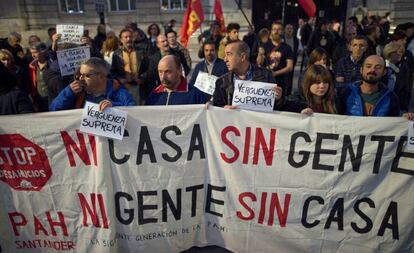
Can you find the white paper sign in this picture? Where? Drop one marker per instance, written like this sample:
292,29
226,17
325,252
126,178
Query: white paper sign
70,33
109,123
205,82
255,96
410,142
70,59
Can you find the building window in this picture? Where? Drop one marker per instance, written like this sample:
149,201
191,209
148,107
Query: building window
72,6
173,5
122,5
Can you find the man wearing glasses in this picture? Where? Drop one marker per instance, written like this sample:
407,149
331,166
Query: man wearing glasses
348,68
92,85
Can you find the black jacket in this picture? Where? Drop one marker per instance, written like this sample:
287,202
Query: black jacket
151,77
12,100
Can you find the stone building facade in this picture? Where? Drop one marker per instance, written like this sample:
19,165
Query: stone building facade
36,16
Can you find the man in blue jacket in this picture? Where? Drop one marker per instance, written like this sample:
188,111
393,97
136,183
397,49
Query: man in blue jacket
370,97
174,89
211,64
92,86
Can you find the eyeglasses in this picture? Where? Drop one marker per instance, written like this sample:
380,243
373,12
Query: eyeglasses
88,75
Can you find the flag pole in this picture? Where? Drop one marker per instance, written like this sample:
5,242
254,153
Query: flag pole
244,14
283,11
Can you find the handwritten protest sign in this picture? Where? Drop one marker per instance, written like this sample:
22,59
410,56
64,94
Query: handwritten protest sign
410,143
255,96
70,33
70,59
205,82
109,123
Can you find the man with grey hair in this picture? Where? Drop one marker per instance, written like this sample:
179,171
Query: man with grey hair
237,62
12,43
92,85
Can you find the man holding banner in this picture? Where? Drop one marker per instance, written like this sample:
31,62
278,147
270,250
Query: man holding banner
93,86
174,89
237,62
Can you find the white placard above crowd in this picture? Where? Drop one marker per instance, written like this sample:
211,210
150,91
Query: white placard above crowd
70,33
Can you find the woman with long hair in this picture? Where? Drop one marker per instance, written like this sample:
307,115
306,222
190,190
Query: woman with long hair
318,56
6,57
318,90
153,31
109,46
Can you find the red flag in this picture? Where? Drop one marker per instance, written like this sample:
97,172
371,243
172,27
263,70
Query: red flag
308,6
192,20
219,15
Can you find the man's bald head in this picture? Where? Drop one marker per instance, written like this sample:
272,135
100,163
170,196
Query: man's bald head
376,59
169,71
171,59
373,69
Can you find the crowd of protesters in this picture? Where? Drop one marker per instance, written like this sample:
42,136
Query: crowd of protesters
358,69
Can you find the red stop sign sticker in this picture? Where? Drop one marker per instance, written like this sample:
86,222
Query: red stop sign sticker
24,165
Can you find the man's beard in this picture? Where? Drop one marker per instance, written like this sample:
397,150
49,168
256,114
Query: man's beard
275,37
371,79
210,58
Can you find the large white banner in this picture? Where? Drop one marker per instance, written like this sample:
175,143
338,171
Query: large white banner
185,176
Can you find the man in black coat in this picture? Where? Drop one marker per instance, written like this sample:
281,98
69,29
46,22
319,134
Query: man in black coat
237,62
323,38
129,64
151,76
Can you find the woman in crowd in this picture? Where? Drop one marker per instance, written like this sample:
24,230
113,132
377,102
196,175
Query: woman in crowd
12,99
318,56
397,77
6,57
153,31
109,46
319,90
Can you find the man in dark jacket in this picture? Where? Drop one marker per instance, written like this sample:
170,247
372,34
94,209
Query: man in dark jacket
237,62
323,38
128,65
211,64
348,68
151,76
12,43
100,36
174,89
